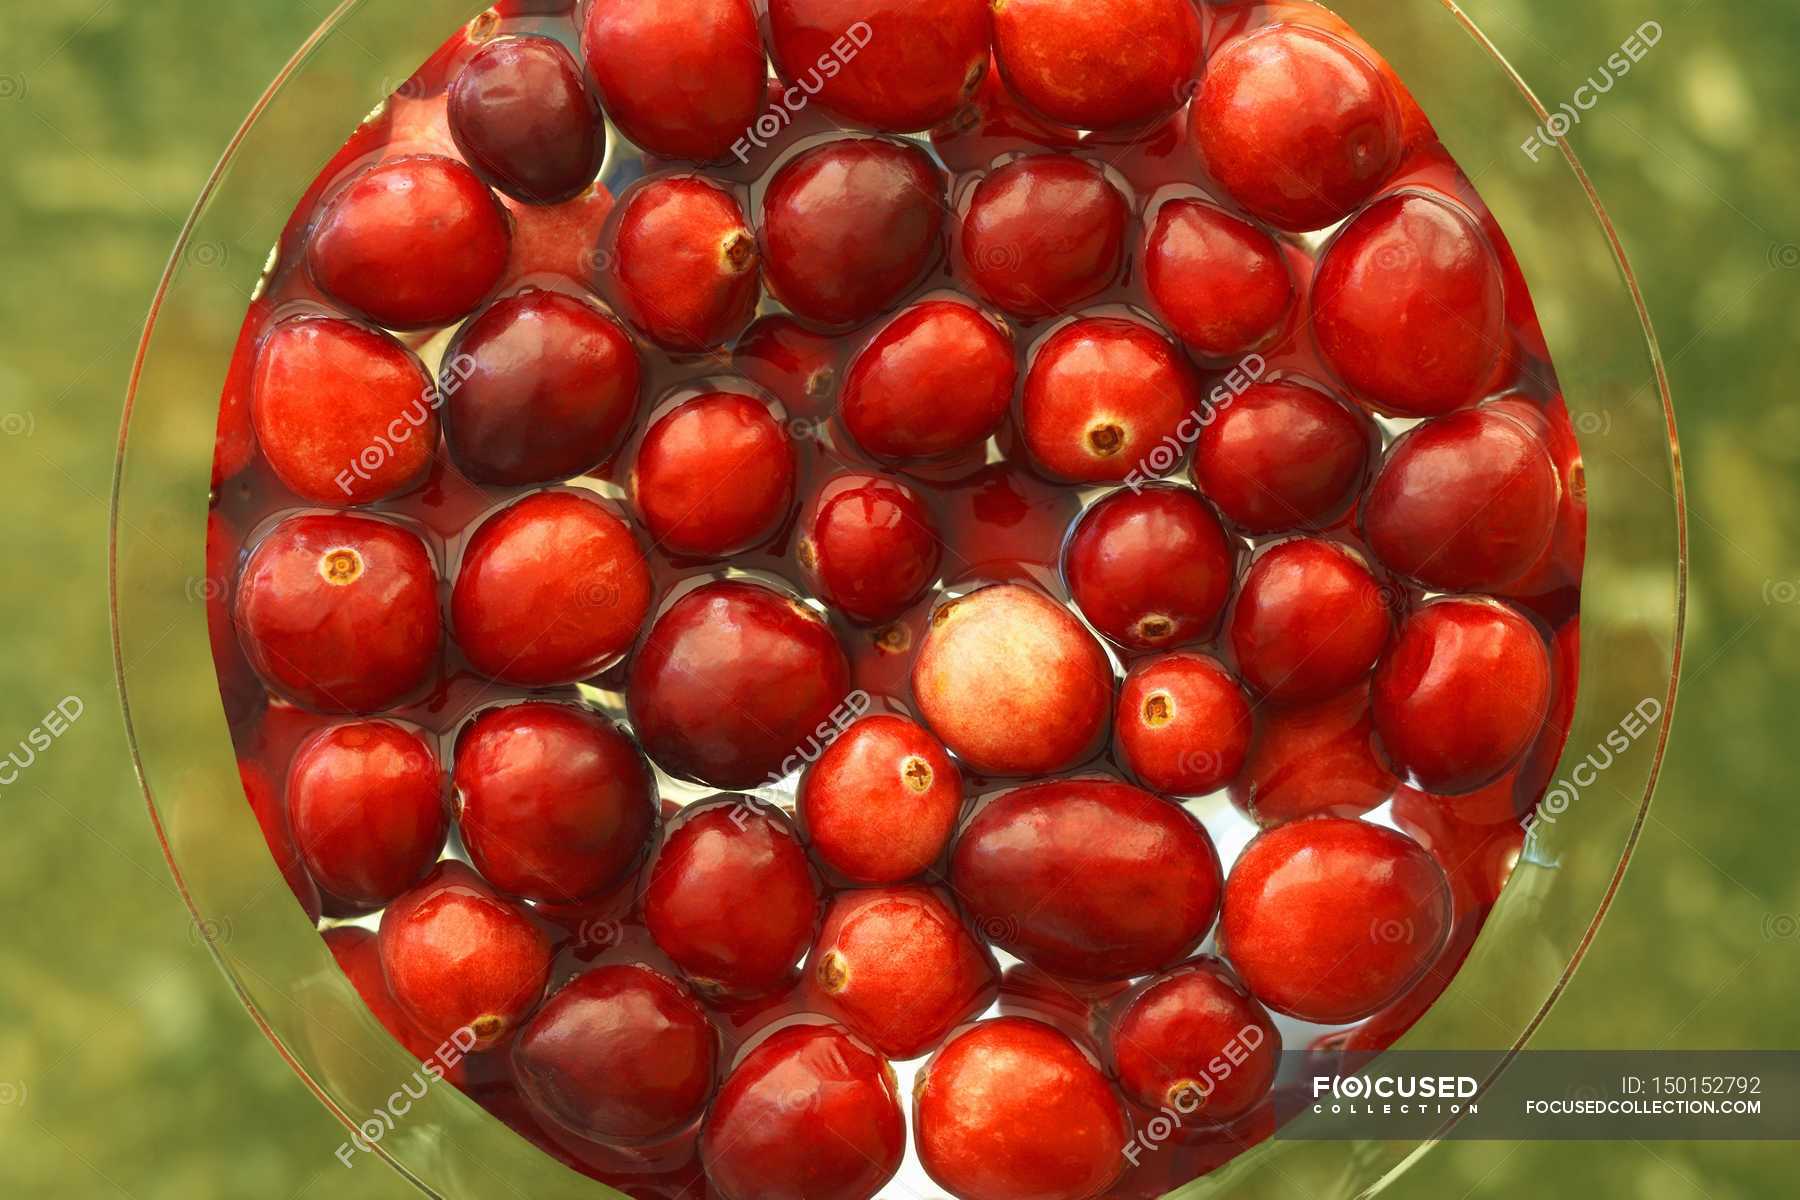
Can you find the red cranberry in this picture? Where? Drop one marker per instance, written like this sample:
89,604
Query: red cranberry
1044,233
358,955
681,78
459,957
1309,621
1011,1110
367,803
1150,569
1012,683
898,65
714,476
413,242
1461,694
1328,920
1312,759
1184,725
809,1114
622,1053
340,613
1218,282
937,379
869,546
900,969
552,589
272,819
1465,503
1102,394
1296,125
882,801
683,263
734,683
540,387
1195,1040
1088,879
849,227
524,120
1409,307
1283,455
1099,64
556,805
731,898
559,239
799,367
345,415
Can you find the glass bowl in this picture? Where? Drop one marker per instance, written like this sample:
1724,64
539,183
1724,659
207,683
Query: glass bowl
1632,603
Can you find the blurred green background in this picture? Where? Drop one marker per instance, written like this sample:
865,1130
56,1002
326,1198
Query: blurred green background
128,1068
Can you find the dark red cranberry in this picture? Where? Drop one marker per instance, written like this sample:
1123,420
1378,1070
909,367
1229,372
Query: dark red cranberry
1283,455
1151,569
340,613
540,387
1409,307
345,415
551,590
1296,125
882,801
732,899
1088,879
1310,620
1328,920
1044,233
1103,395
272,819
1099,64
684,263
1312,759
681,78
1220,284
898,65
714,476
1196,1041
413,242
525,121
734,683
809,1114
358,955
869,546
620,1054
367,803
849,227
1184,725
555,803
937,379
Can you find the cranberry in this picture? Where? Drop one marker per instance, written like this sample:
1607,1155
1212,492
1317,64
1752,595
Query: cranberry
1310,759
1310,619
1150,569
345,415
1296,125
367,803
1011,1110
799,367
411,243
869,546
1012,682
1464,503
1195,1040
849,227
1088,879
1283,455
937,379
540,387
340,613
731,898
992,125
714,476
683,263
1044,233
900,969
882,801
898,65
556,805
559,239
622,1053
1329,919
1409,307
1184,725
552,589
358,955
681,78
1099,64
278,834
809,1114
525,121
1220,283
1101,395
1461,694
459,957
